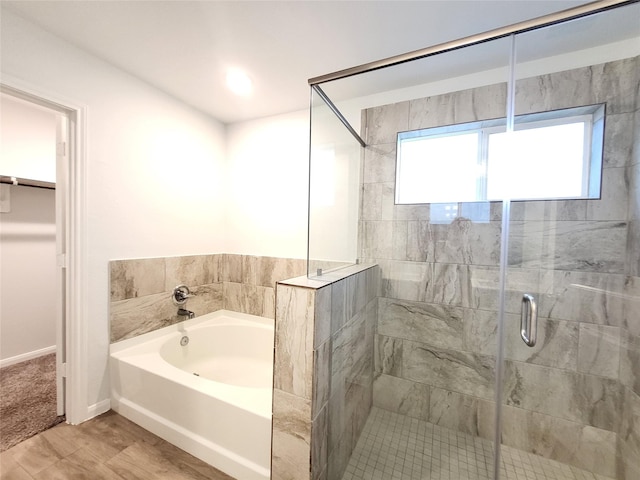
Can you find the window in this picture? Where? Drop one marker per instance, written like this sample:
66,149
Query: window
549,155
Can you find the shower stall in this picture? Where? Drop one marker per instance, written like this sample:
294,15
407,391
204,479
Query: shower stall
495,181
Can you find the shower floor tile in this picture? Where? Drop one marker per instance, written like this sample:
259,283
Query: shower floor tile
396,447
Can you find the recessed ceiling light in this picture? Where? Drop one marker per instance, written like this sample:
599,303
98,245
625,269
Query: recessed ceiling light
239,82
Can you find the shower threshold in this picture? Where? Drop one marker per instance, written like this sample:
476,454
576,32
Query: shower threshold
396,447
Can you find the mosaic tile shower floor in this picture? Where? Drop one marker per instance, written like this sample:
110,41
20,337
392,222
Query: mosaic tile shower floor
395,447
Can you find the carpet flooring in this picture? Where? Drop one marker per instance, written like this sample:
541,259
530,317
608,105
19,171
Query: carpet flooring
27,399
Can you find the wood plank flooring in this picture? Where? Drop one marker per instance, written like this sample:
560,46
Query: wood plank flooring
108,447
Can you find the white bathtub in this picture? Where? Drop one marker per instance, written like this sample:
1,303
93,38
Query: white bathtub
212,397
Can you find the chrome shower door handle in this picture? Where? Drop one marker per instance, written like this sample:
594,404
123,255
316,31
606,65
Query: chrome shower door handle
529,320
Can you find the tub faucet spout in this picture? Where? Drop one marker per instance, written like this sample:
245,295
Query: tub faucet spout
186,313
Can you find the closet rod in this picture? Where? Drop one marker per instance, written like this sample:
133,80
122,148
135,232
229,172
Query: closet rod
25,182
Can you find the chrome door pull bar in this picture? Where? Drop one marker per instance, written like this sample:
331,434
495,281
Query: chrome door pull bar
529,320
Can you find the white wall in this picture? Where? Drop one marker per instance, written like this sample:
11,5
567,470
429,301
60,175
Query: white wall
267,185
27,272
155,167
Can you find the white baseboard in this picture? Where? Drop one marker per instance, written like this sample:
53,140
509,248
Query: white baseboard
99,408
5,362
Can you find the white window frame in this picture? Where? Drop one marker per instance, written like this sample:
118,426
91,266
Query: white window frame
592,149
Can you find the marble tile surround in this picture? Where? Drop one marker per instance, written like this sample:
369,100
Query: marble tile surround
574,397
140,289
323,372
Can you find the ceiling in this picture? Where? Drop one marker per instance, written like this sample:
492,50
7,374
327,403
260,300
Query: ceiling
185,47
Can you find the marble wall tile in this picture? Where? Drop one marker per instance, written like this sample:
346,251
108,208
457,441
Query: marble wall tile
356,294
596,246
207,299
586,399
420,241
599,351
459,107
271,270
451,285
135,316
136,278
406,280
631,305
377,239
232,268
583,446
322,315
379,163
454,410
633,249
232,295
252,299
630,362
291,441
582,296
618,140
612,82
250,270
615,191
549,210
463,372
466,242
339,315
293,368
388,355
319,444
321,377
371,202
629,437
384,123
434,324
557,344
269,310
192,270
401,396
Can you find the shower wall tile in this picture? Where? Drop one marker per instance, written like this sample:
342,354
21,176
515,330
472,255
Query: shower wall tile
136,278
629,438
388,355
294,340
384,123
613,83
618,140
291,441
454,410
557,344
569,442
433,324
481,103
463,372
585,399
569,254
380,164
320,444
466,242
613,203
599,351
548,210
630,362
401,396
578,246
631,305
582,296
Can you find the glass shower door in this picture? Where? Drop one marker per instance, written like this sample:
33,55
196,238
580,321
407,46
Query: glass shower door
571,404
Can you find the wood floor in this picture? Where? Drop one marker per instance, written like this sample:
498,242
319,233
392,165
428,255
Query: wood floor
107,447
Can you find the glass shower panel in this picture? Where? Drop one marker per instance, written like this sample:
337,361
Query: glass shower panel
433,398
571,403
334,164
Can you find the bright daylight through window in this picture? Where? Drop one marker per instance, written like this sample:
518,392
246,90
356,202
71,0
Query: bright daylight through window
549,155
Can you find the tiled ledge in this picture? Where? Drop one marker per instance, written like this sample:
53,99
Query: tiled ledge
327,278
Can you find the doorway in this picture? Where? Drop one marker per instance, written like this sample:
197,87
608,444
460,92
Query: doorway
35,139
